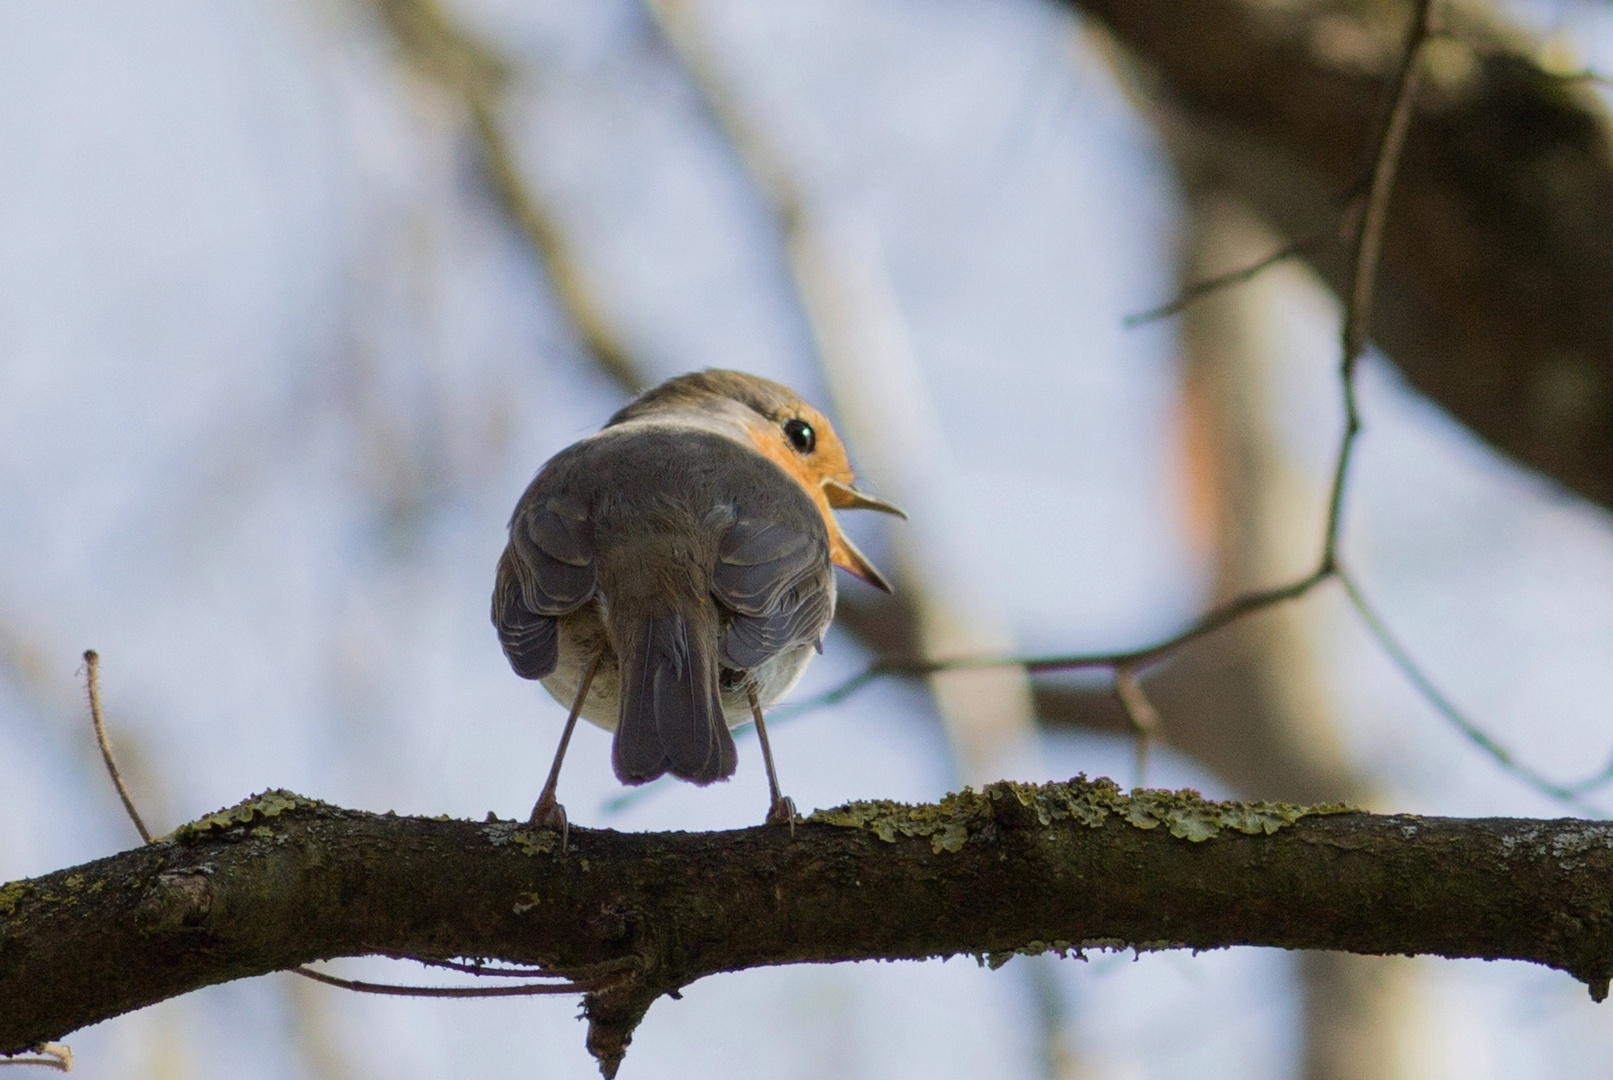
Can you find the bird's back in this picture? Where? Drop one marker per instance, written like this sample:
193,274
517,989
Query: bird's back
681,552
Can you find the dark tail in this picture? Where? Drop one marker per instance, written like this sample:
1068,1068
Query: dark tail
671,709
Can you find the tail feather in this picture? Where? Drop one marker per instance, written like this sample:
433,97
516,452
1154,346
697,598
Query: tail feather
670,716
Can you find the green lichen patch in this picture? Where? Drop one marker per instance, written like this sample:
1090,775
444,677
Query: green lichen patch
268,805
1190,816
11,895
1186,814
534,841
947,824
530,841
1088,802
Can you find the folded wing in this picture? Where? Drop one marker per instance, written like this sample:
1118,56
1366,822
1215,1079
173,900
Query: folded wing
547,571
776,581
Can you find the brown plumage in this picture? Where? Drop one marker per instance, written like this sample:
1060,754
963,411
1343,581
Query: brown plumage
671,575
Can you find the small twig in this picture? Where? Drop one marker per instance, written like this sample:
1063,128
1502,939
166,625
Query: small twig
1348,223
92,683
1200,289
1364,273
1142,714
391,990
1414,674
833,696
1597,779
56,1056
477,969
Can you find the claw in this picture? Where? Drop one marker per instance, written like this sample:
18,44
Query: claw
549,814
783,813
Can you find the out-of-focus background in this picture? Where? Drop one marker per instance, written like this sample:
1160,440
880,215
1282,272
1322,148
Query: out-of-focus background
295,297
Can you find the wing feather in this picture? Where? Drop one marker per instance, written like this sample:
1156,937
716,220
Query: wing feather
547,570
777,582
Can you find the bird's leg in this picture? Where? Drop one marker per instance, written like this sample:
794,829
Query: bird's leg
548,812
782,812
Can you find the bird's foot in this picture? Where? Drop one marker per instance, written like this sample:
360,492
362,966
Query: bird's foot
549,814
782,813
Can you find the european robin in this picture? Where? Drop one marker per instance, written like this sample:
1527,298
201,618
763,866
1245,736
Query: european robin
671,576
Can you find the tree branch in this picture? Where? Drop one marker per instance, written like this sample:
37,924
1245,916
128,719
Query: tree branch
280,881
1497,256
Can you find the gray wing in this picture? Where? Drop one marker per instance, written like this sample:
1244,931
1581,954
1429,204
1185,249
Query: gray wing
777,582
547,571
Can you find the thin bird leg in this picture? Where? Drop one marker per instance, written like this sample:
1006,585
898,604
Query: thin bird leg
548,812
782,811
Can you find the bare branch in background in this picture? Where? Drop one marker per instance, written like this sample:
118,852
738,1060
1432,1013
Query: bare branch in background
1346,228
1497,260
471,72
1569,794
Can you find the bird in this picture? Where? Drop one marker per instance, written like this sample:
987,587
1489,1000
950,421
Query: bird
671,576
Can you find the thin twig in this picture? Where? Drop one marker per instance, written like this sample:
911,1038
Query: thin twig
1586,75
1414,674
92,684
56,1056
1600,778
1200,289
1345,230
477,969
391,990
1142,714
1139,659
1364,273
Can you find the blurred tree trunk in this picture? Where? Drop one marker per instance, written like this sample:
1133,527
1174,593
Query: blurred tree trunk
1252,702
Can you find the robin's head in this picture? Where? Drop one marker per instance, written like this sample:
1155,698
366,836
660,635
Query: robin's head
791,434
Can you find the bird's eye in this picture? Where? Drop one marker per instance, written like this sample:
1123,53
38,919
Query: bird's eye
801,436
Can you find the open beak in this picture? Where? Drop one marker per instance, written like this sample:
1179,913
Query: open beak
845,497
845,555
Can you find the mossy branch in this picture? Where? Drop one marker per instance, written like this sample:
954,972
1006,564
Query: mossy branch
281,881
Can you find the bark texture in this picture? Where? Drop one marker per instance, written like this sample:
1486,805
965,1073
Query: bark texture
1498,257
280,881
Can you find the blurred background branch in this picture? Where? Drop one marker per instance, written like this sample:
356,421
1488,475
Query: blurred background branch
1498,256
471,72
